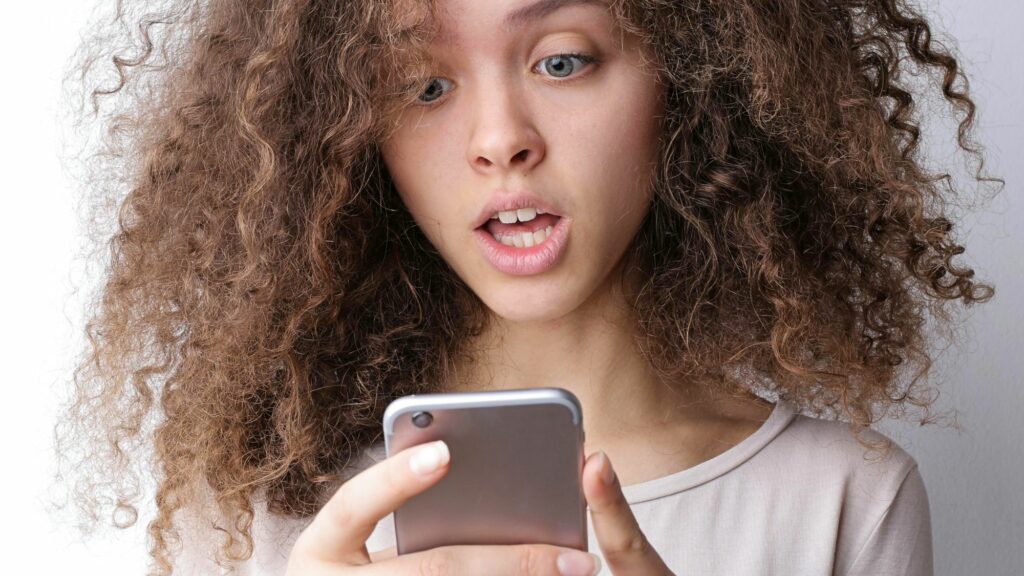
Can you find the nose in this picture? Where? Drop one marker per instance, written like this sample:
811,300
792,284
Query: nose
504,137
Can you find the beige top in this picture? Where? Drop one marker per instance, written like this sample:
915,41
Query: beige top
797,497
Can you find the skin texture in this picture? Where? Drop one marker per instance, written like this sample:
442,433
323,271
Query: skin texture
286,241
588,143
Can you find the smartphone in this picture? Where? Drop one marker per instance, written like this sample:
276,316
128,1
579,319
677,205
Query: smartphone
515,475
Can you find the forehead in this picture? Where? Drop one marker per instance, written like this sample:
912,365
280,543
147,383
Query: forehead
462,17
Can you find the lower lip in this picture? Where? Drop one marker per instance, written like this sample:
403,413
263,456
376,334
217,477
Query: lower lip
525,261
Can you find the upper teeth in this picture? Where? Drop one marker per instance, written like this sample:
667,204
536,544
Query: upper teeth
522,215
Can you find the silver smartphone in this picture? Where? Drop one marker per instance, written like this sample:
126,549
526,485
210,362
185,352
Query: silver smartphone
515,475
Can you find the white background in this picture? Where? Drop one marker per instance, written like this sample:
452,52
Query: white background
973,477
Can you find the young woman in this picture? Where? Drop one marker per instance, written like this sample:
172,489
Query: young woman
708,220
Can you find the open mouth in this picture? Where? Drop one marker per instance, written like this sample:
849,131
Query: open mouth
524,248
522,234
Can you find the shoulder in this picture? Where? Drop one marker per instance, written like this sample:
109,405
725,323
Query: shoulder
830,451
861,502
879,504
821,469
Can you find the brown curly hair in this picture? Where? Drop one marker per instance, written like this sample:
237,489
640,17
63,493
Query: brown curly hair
266,294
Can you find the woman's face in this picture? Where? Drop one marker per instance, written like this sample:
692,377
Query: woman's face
508,112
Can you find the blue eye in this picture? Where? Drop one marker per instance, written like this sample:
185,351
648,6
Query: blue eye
432,82
562,68
562,58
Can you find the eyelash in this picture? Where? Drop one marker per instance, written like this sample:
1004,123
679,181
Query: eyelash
587,60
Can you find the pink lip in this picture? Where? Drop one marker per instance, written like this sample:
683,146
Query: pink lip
501,201
525,261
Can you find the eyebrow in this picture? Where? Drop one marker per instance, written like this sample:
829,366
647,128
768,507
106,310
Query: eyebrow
540,9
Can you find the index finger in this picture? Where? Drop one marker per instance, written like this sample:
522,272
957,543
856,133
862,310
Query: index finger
340,529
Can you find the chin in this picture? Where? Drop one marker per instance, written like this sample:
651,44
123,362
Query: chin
519,302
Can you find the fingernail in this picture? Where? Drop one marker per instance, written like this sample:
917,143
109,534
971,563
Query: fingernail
429,458
578,563
607,473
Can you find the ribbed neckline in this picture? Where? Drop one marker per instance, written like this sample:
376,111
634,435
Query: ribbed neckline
780,417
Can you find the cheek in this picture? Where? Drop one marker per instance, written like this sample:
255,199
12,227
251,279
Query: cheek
424,211
420,170
623,154
623,157
431,209
619,130
405,167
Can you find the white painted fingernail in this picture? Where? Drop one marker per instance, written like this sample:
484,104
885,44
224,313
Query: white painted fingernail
429,458
607,473
578,563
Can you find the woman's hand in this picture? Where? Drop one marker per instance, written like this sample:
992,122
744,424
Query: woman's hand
623,545
335,542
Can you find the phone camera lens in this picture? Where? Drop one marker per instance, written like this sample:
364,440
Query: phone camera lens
422,419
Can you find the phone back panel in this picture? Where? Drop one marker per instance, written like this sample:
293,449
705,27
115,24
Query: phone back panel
515,472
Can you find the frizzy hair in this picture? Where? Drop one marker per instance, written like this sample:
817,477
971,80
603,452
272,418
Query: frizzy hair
266,294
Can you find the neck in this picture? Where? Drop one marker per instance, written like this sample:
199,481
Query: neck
592,353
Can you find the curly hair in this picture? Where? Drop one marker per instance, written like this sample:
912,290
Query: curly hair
265,294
